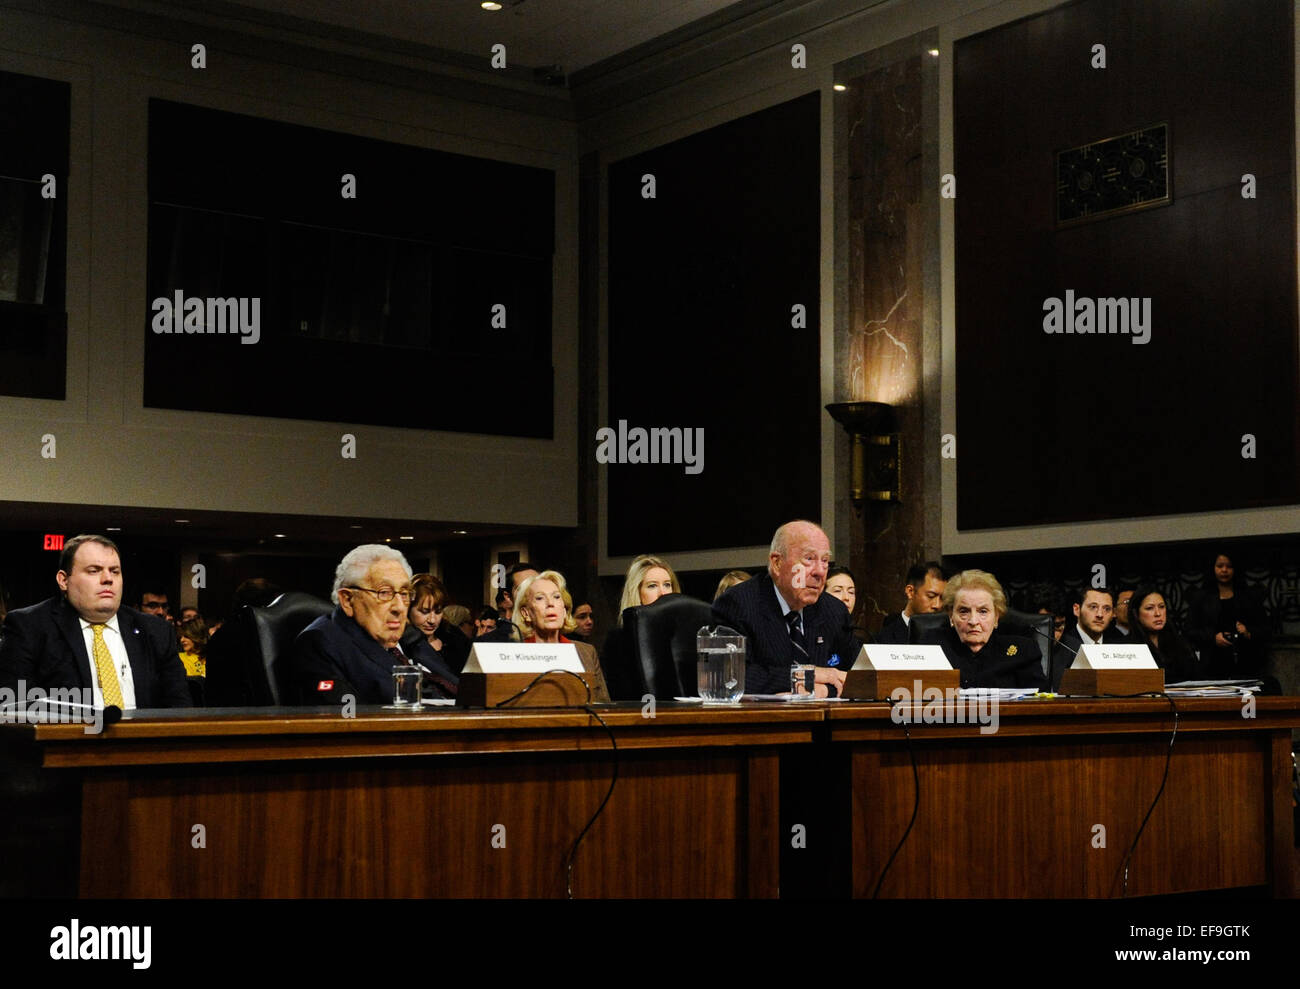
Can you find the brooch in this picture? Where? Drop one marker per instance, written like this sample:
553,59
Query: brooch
1011,650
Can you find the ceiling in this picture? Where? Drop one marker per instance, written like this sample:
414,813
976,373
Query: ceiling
572,34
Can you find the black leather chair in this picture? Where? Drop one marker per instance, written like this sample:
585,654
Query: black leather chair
1033,626
661,639
922,628
247,658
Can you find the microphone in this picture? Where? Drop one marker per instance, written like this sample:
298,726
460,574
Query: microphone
1051,666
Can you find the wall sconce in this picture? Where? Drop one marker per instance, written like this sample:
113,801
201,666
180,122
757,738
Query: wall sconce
874,464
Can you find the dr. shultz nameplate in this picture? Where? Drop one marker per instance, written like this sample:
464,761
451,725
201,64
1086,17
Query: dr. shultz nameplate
497,671
881,669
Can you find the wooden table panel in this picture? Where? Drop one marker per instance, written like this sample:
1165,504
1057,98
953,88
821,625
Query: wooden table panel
675,826
1013,814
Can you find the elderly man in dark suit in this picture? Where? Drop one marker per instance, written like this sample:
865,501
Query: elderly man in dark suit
352,651
786,619
83,638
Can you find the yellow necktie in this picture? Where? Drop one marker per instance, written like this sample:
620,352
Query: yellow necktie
109,685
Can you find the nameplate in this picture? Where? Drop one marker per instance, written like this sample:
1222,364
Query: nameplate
527,657
877,656
1114,657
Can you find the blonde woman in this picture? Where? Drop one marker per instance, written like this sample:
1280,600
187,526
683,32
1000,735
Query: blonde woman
648,579
542,615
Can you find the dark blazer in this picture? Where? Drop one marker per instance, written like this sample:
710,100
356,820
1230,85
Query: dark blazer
1004,661
1063,652
894,631
1206,616
1175,656
334,656
44,646
455,646
751,608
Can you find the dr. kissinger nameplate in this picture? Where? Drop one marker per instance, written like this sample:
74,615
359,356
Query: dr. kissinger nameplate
523,657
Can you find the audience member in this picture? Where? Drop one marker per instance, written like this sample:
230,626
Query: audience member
187,613
352,652
785,618
461,618
1228,625
541,616
1149,625
586,622
486,620
153,601
924,593
648,579
193,636
985,657
515,576
1093,612
84,637
1120,627
425,618
729,580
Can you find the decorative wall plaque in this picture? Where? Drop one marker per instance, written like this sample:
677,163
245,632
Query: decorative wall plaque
1118,175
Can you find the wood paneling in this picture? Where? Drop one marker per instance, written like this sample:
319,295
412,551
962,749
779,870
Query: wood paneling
304,804
1025,812
1100,427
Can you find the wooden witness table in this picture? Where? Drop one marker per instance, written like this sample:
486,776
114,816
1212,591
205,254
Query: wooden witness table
1021,813
305,803
298,802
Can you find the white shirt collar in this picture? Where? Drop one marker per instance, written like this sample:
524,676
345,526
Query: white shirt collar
111,623
785,608
1085,638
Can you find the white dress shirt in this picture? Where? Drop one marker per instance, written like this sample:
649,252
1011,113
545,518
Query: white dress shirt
116,649
1084,638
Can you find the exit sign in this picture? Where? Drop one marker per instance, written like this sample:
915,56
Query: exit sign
53,542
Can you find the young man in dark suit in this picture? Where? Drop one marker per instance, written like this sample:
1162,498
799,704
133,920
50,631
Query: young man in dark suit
786,619
924,591
1093,612
84,638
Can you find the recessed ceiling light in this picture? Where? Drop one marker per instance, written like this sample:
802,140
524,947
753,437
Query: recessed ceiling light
113,528
279,535
460,532
406,537
389,539
934,52
839,87
181,520
490,5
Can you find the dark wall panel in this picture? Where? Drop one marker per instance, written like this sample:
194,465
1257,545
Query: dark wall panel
702,280
395,285
1103,427
34,133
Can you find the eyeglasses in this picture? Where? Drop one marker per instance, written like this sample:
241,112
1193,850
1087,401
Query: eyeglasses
386,595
